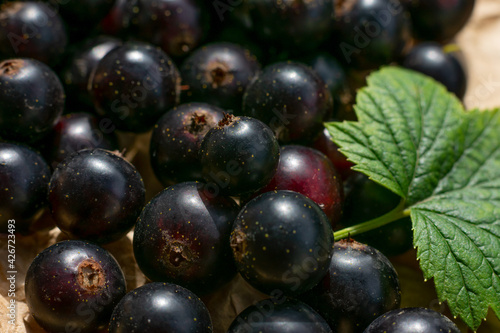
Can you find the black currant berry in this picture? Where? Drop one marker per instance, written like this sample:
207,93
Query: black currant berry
24,181
391,239
279,316
31,99
179,32
335,77
31,30
78,14
134,85
431,59
177,26
309,172
73,286
82,63
361,284
283,241
331,72
238,156
325,144
367,200
176,140
160,308
291,99
370,33
412,320
218,74
182,236
77,131
233,33
439,20
96,195
117,21
298,25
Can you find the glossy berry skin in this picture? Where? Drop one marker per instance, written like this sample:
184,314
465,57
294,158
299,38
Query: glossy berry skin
218,74
279,316
177,26
74,286
231,32
31,30
431,59
179,32
334,74
77,131
87,13
324,144
77,74
96,195
283,241
439,20
31,99
161,308
117,20
331,72
361,284
370,33
182,237
134,85
367,200
299,25
176,141
309,172
238,156
291,99
24,180
391,239
412,320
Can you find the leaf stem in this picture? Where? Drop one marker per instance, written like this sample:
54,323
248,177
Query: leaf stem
394,215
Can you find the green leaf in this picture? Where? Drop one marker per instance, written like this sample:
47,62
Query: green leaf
415,138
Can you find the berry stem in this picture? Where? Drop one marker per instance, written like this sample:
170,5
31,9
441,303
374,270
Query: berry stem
394,215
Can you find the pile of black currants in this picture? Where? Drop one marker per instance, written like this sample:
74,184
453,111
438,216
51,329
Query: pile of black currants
226,100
